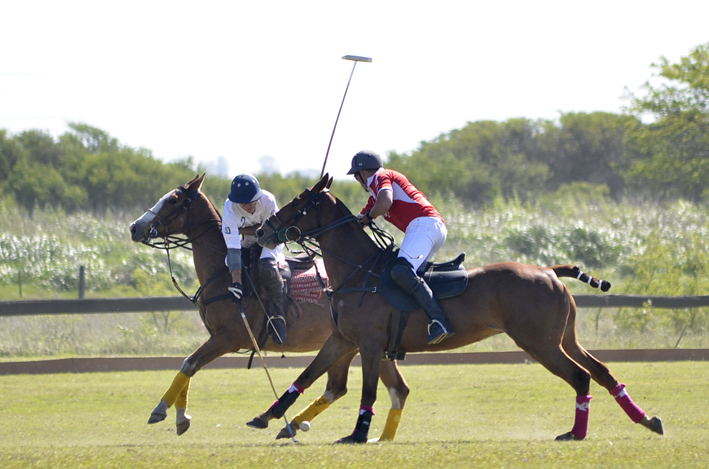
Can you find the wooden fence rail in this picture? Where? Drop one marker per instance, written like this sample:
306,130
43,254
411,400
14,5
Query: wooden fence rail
179,303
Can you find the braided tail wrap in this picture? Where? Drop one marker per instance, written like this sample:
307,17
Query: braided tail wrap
573,271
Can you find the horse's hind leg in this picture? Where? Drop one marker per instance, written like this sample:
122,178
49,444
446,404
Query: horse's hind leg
398,392
603,376
555,360
335,389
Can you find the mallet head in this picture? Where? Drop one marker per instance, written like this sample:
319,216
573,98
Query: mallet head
357,58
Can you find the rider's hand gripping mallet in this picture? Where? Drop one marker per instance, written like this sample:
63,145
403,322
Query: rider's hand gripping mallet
355,59
263,362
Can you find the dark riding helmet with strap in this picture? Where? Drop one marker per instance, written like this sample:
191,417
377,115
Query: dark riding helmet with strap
245,189
365,159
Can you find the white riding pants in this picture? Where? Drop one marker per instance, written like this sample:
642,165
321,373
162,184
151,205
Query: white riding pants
423,238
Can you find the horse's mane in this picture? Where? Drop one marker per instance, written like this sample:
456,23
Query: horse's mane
344,209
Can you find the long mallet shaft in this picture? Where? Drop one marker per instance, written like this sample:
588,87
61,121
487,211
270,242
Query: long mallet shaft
355,59
263,362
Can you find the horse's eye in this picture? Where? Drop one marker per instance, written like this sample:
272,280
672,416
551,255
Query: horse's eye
172,201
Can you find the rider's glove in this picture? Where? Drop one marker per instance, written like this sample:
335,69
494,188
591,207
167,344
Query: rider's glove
236,290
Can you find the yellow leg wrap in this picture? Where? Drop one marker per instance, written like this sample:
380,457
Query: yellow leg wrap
181,401
392,425
178,384
312,411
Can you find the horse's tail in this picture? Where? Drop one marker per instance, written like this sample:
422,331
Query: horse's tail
573,271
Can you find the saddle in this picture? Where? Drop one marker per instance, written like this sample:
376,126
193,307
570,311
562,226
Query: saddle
446,280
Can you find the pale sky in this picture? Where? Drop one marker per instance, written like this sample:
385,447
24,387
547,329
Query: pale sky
245,79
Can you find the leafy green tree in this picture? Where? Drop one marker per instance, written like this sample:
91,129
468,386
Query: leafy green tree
587,147
479,162
676,140
10,154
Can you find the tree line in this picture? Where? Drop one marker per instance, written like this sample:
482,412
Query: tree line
657,148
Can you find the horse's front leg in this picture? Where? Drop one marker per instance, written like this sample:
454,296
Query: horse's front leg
335,389
335,348
398,392
178,391
371,363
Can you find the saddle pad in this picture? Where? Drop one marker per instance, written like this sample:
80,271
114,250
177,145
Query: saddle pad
305,286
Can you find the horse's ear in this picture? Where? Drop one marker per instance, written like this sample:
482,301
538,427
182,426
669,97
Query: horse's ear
196,182
329,182
321,184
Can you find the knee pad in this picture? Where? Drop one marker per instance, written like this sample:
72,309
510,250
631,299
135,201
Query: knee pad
269,276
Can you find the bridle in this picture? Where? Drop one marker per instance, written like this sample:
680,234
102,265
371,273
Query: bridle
173,240
178,240
288,232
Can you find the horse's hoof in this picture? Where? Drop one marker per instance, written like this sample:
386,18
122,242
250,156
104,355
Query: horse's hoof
284,433
348,440
183,422
567,437
656,425
159,413
259,422
182,427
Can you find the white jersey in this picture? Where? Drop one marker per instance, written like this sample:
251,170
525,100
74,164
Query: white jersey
234,217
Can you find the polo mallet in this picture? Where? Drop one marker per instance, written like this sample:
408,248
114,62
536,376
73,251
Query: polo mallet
263,362
355,59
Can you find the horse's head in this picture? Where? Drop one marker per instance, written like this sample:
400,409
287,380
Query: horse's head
169,215
301,215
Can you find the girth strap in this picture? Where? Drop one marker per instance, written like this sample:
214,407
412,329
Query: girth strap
398,324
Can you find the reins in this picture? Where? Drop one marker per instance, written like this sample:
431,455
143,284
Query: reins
308,241
170,241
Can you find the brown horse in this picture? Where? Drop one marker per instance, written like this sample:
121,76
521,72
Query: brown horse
187,211
528,303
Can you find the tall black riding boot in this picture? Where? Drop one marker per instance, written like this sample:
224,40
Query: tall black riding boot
403,275
272,287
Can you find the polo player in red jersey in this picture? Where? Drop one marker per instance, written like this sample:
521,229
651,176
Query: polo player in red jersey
392,195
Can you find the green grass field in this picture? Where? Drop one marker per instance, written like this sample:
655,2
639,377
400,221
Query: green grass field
456,416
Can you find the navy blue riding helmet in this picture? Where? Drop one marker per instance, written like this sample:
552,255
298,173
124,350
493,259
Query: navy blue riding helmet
245,189
365,159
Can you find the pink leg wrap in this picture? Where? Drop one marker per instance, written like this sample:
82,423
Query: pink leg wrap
622,397
364,408
580,429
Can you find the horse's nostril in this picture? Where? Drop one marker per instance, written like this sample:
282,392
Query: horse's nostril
260,232
132,228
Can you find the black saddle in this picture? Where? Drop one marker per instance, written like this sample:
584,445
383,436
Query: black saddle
446,280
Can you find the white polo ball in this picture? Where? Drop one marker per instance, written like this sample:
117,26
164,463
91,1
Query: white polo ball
305,426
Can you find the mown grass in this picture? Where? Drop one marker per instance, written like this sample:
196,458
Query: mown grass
456,416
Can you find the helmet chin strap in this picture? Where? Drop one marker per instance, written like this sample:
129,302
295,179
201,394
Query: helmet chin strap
360,176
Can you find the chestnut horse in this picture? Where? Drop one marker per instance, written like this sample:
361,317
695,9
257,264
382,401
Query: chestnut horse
187,211
528,303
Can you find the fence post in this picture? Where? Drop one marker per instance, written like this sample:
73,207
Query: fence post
82,283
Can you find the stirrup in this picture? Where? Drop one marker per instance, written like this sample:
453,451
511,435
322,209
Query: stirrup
440,337
273,332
